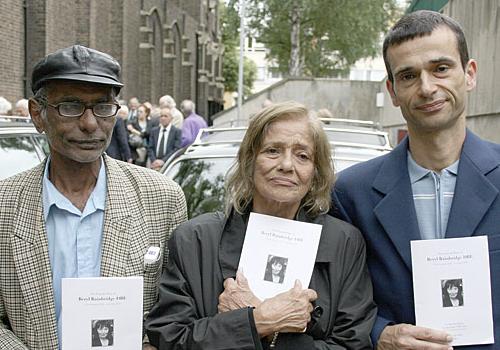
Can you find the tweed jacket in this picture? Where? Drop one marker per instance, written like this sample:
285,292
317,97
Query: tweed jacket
142,209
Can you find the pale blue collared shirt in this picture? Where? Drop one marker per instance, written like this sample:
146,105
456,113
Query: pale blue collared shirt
432,195
74,237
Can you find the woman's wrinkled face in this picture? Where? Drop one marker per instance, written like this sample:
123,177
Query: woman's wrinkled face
284,166
452,291
276,267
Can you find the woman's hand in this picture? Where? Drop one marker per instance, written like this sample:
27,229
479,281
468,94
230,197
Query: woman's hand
286,312
237,294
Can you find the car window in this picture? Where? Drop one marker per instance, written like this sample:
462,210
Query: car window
17,153
42,143
202,181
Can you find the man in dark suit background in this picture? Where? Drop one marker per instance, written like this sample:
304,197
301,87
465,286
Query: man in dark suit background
442,181
118,147
164,140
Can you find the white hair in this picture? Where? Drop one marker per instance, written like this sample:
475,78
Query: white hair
22,103
187,106
123,111
5,106
167,101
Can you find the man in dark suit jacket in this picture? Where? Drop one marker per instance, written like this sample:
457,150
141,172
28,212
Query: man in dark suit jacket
118,147
164,140
429,76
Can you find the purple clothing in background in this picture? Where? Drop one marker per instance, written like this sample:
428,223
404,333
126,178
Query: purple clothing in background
190,127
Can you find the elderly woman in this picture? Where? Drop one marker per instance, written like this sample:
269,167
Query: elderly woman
284,169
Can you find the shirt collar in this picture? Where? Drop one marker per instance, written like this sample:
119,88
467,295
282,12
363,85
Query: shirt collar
418,172
167,128
52,196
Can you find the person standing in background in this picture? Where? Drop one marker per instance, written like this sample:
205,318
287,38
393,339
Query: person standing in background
118,147
164,140
167,101
192,123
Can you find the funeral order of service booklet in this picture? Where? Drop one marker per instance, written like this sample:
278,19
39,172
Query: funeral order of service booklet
276,252
451,282
102,312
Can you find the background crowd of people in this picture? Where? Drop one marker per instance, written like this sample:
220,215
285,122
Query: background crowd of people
145,134
148,134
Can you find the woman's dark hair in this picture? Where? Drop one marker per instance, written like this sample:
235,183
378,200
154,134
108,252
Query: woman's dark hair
453,283
277,259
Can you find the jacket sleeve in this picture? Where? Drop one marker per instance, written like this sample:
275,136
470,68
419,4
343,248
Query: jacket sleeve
339,210
174,323
150,147
7,339
178,139
356,311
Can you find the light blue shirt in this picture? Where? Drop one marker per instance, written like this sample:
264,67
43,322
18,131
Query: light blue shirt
74,237
432,195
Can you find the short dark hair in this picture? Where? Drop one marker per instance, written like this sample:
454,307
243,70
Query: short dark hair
422,23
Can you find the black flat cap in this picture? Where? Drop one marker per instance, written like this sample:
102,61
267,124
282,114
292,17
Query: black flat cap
77,63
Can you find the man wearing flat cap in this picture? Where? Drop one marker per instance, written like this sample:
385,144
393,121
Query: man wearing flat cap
80,213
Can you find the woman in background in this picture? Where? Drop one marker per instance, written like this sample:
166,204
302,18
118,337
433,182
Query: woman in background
141,127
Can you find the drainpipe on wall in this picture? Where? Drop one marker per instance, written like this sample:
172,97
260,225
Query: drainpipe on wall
26,92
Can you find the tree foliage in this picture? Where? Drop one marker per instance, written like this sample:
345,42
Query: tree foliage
230,23
332,34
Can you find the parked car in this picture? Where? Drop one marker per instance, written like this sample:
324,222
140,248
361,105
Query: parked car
200,169
21,146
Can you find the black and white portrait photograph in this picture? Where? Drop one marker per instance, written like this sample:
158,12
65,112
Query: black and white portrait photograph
275,269
452,292
102,333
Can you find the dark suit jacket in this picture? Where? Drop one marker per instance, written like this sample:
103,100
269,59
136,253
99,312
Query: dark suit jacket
205,251
376,196
173,142
118,147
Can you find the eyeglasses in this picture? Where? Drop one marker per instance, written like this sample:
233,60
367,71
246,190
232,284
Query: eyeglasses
77,109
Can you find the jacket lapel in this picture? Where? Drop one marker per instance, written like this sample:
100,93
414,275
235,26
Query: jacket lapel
170,139
396,211
474,193
118,227
156,137
31,260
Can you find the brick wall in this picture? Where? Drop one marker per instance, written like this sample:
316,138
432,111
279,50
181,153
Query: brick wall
156,57
12,51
